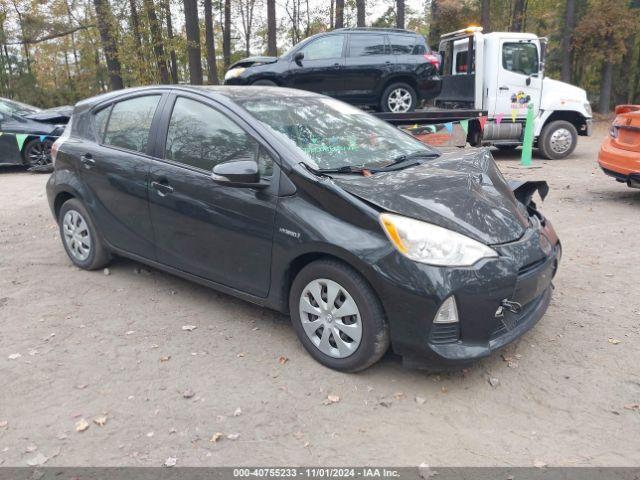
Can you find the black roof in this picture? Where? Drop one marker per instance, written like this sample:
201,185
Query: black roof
232,92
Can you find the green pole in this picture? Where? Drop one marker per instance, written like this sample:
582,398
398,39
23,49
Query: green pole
527,144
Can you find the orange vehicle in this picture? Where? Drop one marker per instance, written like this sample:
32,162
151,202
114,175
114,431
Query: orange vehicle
619,154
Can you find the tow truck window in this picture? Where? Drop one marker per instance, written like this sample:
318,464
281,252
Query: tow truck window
520,58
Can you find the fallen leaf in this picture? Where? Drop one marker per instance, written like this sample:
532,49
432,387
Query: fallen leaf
421,400
170,462
384,403
31,448
38,459
216,436
165,358
237,412
331,399
81,425
539,464
233,436
399,396
130,332
632,406
189,328
82,386
101,421
14,356
240,355
3,423
188,393
613,341
494,382
282,359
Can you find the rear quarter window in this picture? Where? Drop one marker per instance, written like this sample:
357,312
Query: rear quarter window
100,122
402,44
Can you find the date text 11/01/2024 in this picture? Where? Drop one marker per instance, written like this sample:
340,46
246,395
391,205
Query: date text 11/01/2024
316,472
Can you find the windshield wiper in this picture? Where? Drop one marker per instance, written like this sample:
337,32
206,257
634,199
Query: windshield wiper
403,158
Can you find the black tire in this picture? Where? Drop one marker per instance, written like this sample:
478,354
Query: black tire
375,330
98,256
506,148
265,83
36,153
384,101
549,147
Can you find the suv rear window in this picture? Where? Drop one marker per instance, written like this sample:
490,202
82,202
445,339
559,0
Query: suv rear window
402,44
366,45
130,123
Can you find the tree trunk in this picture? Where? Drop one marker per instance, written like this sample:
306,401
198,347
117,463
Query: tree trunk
605,86
566,51
339,14
137,38
226,35
272,47
434,30
193,41
485,15
517,19
156,38
103,19
360,13
400,13
173,64
212,70
331,14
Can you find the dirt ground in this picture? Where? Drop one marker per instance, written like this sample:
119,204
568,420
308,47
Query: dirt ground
80,345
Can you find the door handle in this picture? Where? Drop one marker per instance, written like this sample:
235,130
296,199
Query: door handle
503,87
87,160
162,188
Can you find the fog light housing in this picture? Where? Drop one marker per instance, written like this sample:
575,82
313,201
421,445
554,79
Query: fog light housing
448,311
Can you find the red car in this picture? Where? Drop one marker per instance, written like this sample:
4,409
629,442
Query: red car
619,154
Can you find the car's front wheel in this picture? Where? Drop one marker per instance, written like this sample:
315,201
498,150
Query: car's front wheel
338,317
37,153
399,98
80,238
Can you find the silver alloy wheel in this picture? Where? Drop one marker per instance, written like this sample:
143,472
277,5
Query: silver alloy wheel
399,100
76,235
39,154
330,318
561,141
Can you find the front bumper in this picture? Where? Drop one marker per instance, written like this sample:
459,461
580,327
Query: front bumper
412,293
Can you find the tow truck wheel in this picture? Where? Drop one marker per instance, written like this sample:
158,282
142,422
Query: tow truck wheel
557,140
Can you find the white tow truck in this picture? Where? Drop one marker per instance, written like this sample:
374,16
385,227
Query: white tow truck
501,73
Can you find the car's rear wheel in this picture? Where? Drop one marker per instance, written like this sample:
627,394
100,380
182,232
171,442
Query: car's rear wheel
37,153
80,238
338,317
399,98
557,140
265,83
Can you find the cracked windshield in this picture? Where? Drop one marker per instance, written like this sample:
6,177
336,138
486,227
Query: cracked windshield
332,134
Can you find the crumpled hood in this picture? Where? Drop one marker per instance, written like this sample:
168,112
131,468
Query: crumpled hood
464,192
53,115
254,61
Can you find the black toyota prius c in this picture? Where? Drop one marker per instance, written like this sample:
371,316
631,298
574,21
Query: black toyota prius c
300,203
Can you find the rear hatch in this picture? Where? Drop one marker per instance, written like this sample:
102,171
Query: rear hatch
627,125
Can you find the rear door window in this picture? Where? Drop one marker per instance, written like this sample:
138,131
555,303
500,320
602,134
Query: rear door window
130,123
367,45
402,44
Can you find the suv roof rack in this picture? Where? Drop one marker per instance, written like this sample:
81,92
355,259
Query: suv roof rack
375,29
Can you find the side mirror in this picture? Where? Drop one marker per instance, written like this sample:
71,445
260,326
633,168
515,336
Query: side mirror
298,58
238,173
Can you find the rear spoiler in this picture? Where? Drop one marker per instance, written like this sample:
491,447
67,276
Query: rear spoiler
621,109
523,191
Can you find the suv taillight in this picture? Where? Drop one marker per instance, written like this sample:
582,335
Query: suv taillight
433,59
59,141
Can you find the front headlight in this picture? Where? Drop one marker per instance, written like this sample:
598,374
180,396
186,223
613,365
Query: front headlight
426,243
234,73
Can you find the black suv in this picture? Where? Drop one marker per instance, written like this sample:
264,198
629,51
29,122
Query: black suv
389,69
